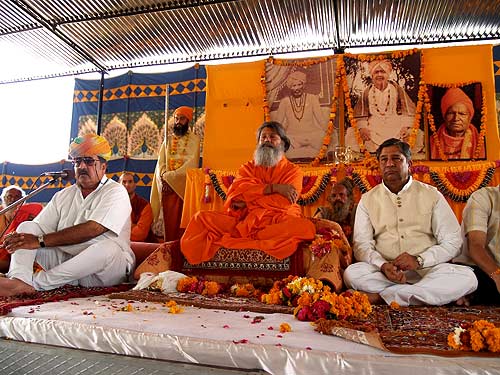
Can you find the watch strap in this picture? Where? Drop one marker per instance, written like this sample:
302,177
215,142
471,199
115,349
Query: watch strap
41,241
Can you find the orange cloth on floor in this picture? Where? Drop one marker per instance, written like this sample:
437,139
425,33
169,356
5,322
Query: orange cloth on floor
269,222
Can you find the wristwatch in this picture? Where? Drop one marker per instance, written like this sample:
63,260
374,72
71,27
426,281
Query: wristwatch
41,241
420,261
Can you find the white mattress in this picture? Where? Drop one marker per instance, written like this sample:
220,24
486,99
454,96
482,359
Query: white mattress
217,337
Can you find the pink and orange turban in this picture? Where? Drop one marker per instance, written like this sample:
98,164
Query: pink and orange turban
185,111
455,95
385,65
296,76
90,145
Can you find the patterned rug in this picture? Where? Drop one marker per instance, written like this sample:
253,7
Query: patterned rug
60,294
412,330
220,302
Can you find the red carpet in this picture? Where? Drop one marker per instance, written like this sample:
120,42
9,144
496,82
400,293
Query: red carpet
60,294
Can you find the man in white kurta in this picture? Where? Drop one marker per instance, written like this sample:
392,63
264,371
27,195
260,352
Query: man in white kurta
405,233
82,237
481,228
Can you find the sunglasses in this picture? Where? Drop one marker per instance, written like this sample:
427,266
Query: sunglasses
87,160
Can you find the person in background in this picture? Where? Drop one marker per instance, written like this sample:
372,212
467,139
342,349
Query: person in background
10,220
481,228
179,152
342,208
142,214
405,235
82,236
458,137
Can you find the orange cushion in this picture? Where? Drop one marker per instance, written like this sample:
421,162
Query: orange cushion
158,261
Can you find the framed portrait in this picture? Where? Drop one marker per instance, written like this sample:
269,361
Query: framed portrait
383,95
455,122
300,98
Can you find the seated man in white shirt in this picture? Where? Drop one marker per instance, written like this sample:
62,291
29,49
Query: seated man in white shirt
481,228
405,233
82,236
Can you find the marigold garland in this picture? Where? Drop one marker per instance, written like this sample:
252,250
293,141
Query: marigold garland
432,124
481,335
314,184
366,181
333,109
458,183
199,286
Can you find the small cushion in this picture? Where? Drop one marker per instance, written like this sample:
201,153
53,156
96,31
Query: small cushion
159,260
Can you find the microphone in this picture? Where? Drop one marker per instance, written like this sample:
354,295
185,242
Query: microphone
65,174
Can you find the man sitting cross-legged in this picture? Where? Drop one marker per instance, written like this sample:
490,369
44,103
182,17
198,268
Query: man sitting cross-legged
82,236
404,234
262,212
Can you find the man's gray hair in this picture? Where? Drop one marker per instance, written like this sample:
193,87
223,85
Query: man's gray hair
278,128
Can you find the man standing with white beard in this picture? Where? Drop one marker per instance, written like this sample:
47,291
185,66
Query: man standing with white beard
261,209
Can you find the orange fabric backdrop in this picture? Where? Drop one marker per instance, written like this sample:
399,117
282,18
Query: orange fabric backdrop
234,108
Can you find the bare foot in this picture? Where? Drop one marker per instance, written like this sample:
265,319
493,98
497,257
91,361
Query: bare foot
375,298
463,301
12,287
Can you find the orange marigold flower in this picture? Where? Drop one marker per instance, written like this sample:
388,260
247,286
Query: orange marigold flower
285,327
394,305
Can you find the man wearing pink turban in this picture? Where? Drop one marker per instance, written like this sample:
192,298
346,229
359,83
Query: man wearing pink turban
383,111
457,136
82,236
179,152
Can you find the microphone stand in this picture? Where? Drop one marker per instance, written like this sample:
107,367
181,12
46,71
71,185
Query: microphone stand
25,198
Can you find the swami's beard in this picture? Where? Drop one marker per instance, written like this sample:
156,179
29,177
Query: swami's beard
340,210
180,130
267,155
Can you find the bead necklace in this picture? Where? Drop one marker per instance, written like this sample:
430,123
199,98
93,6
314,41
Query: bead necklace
298,106
386,105
173,162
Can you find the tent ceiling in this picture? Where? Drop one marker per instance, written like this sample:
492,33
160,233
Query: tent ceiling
51,38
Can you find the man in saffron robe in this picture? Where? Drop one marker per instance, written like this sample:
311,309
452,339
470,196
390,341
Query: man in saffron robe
261,206
10,220
179,152
457,137
142,214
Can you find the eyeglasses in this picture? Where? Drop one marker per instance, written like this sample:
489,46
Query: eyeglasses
87,160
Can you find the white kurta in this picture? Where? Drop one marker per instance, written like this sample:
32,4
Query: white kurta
103,260
419,221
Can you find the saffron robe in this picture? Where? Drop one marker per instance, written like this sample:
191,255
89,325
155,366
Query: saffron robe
456,147
269,222
141,218
25,212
